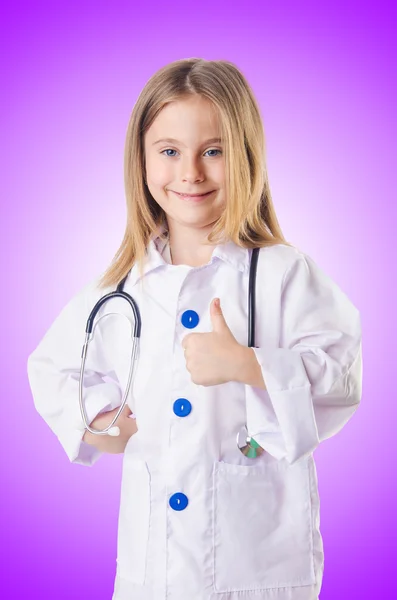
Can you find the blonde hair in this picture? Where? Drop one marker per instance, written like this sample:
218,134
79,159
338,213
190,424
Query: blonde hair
249,218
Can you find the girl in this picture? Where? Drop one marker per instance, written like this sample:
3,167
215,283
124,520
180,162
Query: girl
200,518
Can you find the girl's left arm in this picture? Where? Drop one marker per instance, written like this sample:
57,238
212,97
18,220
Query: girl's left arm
313,380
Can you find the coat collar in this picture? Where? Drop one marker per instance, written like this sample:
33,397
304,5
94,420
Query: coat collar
229,252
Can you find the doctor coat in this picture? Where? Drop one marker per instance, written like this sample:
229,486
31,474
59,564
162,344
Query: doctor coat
198,519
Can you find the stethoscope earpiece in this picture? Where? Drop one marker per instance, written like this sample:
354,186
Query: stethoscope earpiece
114,431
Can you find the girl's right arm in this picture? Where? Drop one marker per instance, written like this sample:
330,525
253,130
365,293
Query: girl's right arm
54,373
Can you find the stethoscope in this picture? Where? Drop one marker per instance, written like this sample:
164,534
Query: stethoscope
246,444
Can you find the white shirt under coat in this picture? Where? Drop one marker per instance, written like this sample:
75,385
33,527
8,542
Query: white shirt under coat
250,530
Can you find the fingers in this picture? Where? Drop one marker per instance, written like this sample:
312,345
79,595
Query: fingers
133,427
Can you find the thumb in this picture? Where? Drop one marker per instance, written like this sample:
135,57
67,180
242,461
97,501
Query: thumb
217,319
127,411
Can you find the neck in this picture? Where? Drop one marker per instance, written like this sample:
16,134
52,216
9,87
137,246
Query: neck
187,251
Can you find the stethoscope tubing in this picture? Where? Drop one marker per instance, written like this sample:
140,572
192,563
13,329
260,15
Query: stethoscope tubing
119,293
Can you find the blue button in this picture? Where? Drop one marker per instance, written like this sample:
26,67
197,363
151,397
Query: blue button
182,407
178,501
190,319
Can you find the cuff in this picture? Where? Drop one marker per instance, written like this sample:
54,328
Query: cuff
281,417
96,399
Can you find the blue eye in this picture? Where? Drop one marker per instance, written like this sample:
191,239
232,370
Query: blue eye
172,150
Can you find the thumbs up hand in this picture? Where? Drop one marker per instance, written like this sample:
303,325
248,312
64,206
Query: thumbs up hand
215,357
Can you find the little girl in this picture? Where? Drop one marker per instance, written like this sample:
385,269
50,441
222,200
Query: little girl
200,518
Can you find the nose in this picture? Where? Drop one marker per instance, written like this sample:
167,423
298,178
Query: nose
191,170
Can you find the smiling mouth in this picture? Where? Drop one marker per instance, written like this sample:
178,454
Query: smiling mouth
193,195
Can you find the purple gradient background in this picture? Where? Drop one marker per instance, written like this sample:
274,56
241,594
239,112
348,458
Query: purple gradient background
324,75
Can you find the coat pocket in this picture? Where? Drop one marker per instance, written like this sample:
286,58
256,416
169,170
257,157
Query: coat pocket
262,526
133,522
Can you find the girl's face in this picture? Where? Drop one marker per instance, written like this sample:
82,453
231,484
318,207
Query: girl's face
192,164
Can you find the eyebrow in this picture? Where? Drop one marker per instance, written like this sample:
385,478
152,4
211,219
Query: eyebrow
174,141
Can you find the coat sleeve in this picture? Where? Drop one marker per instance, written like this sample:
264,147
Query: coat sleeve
54,372
313,379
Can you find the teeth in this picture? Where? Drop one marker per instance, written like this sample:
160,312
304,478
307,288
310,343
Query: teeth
195,196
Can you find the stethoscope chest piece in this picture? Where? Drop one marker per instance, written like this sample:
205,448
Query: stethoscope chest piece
247,445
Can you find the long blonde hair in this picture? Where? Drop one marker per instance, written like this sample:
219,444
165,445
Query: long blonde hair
249,218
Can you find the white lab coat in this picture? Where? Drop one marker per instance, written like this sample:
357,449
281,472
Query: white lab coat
250,530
